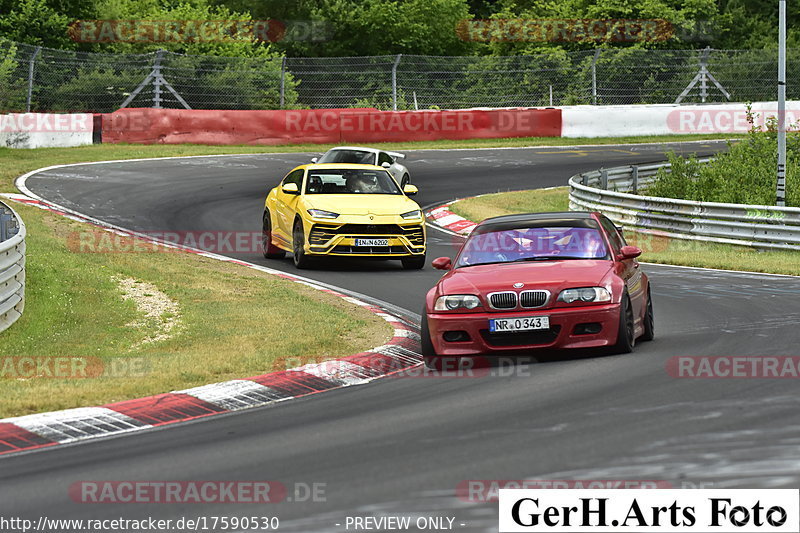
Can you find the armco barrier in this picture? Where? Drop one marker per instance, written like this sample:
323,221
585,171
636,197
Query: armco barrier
612,191
12,266
323,126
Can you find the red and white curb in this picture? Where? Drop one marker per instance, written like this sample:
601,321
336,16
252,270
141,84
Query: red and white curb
444,218
43,430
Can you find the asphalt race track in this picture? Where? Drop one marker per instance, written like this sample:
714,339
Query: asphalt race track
401,447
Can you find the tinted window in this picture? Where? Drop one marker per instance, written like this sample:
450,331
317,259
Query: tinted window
350,181
383,157
360,157
295,177
617,241
542,242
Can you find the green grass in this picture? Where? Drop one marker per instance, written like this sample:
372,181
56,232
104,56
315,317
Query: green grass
234,322
656,249
16,162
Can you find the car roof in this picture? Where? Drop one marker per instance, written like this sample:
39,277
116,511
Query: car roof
362,148
536,217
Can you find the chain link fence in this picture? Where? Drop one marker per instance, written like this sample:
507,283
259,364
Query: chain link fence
42,79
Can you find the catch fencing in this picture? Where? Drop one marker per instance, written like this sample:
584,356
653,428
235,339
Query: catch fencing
614,192
12,266
40,79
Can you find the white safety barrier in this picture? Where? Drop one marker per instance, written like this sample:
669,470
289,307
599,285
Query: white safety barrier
613,192
41,130
668,119
12,266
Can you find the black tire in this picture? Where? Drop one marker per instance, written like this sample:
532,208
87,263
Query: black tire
414,262
405,181
270,250
625,332
429,356
299,256
649,323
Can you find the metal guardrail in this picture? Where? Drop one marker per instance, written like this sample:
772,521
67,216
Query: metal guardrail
614,192
12,266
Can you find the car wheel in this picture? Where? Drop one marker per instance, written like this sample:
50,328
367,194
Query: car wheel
270,250
301,260
415,262
429,356
625,339
649,324
405,181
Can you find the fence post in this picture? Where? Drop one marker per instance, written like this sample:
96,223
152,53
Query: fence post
604,179
635,179
30,78
283,81
157,79
394,81
594,76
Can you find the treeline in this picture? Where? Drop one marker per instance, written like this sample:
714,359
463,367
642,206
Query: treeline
330,28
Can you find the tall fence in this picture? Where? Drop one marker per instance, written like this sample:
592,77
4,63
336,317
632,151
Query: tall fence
42,79
12,266
617,193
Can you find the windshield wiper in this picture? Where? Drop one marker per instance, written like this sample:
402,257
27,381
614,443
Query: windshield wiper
547,258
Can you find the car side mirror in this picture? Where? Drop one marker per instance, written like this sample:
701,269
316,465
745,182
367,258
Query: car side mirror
314,159
386,164
629,252
442,263
290,188
410,190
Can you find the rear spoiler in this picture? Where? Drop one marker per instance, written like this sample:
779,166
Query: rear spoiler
397,155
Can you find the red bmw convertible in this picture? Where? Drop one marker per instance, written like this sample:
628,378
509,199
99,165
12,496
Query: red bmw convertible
532,281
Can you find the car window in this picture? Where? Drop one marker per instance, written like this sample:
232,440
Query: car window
617,240
383,157
350,181
581,240
360,157
295,177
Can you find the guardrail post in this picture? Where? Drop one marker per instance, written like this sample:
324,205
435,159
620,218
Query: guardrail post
635,179
604,179
584,179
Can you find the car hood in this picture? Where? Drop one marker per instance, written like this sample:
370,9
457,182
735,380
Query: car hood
362,204
553,276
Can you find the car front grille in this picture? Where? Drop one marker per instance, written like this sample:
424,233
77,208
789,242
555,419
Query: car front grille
503,300
363,250
531,299
322,233
521,338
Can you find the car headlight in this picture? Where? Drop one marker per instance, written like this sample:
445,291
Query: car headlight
319,213
416,213
585,294
456,301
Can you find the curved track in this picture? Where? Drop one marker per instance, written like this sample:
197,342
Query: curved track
402,446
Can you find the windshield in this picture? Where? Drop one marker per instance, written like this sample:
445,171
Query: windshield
350,181
506,245
360,157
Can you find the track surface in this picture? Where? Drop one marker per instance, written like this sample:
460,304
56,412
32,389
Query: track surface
402,446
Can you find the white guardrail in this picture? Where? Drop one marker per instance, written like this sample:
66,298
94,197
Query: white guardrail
614,192
12,266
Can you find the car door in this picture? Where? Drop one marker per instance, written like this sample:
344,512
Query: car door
629,268
286,204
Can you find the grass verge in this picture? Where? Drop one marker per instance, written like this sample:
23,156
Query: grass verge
234,322
656,249
17,162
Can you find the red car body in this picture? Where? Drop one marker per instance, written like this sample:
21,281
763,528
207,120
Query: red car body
614,323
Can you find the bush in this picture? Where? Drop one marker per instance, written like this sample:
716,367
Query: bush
746,174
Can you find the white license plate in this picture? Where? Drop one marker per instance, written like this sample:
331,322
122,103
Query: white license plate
519,323
372,242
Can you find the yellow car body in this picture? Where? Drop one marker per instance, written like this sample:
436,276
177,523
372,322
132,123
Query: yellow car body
299,216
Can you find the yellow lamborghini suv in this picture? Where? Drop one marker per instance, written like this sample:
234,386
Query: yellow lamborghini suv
343,210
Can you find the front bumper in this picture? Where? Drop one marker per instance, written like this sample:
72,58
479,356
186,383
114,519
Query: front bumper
403,239
568,329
